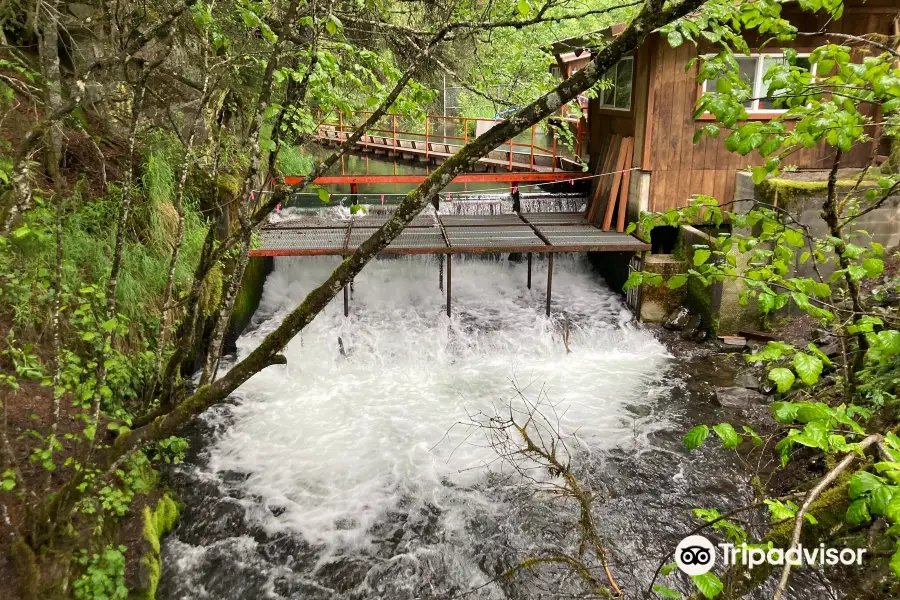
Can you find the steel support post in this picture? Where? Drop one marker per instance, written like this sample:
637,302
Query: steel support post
449,281
529,270
347,301
549,280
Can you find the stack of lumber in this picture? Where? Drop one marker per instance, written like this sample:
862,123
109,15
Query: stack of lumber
609,194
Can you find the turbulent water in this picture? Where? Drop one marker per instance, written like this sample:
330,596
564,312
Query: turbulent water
343,474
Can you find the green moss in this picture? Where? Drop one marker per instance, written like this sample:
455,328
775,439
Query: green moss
229,185
158,521
27,569
211,293
784,192
250,293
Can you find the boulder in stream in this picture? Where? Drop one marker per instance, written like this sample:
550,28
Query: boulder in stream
677,319
738,397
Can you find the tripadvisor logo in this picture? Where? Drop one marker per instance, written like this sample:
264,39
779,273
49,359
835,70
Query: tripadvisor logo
696,555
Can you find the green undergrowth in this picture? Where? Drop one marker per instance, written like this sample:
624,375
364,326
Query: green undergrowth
88,230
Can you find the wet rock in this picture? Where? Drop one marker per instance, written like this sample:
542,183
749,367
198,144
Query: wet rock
677,319
292,586
738,397
690,330
343,574
216,519
700,335
747,378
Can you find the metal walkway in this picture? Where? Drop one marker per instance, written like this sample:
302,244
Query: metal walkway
448,235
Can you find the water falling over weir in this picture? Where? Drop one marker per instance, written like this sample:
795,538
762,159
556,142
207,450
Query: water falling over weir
341,475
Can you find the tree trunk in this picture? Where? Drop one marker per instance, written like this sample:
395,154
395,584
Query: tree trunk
268,352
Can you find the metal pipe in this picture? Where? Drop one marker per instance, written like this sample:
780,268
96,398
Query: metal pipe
441,272
529,270
449,281
549,280
347,301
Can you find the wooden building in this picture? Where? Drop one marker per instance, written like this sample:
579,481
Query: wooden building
653,98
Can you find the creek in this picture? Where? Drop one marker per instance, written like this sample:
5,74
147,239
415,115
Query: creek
349,473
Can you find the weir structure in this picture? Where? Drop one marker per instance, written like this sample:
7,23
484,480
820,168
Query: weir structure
449,235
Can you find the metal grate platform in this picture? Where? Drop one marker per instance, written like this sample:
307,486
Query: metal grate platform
447,234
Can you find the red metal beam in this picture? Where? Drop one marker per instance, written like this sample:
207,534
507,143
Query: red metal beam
464,178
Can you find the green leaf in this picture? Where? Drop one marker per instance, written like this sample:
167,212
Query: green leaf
110,325
783,378
676,281
323,194
759,174
708,584
700,256
881,498
784,412
695,437
730,437
7,484
895,561
858,512
862,482
524,7
873,266
808,367
666,592
754,437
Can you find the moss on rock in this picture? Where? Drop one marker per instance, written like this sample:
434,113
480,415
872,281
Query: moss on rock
158,521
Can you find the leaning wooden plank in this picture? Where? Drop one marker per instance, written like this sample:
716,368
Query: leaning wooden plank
614,190
595,183
606,166
626,181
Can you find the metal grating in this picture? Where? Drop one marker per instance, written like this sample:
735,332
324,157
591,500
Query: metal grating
303,239
467,234
493,237
409,239
479,220
577,218
375,221
586,235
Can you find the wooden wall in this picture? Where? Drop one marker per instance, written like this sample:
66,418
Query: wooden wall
679,168
604,122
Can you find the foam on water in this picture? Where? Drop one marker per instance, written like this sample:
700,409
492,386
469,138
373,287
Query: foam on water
330,447
337,440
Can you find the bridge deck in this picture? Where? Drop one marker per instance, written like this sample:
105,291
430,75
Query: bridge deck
447,234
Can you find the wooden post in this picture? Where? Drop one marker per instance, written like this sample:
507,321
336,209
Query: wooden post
426,147
449,281
466,131
441,272
346,300
529,270
510,153
549,280
394,131
341,126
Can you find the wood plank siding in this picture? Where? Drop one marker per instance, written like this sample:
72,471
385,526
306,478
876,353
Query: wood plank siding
662,123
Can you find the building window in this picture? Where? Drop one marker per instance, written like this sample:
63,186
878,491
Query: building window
618,97
752,69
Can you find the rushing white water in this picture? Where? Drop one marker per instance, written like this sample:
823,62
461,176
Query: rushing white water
339,448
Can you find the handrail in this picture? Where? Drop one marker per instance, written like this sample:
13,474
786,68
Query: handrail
513,147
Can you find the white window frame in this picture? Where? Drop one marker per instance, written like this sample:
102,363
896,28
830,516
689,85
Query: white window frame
601,96
757,91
